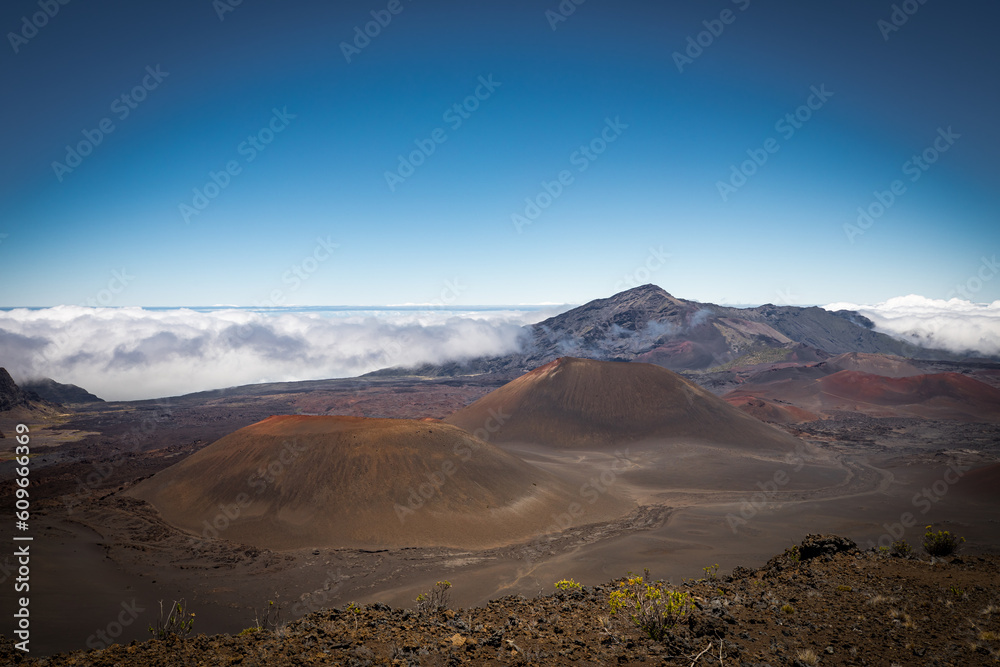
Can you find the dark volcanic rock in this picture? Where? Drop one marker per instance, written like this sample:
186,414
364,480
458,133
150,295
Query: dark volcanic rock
57,392
836,333
11,395
821,545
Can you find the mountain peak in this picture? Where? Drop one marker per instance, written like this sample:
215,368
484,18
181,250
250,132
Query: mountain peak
648,291
631,310
648,324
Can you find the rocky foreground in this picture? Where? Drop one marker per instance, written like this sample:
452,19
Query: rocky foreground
822,603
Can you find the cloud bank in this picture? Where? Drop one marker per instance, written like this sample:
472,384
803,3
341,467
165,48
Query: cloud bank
959,326
134,353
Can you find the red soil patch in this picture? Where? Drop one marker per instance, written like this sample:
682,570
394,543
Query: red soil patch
770,411
932,396
945,392
981,483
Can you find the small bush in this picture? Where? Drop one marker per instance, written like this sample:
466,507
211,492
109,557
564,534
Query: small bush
267,618
568,585
712,571
355,612
177,621
651,607
788,609
942,543
435,599
902,548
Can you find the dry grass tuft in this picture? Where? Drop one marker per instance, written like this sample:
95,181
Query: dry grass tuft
880,599
807,656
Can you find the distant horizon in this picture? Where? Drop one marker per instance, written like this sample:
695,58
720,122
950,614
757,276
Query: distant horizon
472,307
344,308
430,307
132,352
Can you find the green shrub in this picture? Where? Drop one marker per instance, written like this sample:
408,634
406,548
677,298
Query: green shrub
902,548
177,621
568,585
435,599
942,543
355,611
652,607
268,617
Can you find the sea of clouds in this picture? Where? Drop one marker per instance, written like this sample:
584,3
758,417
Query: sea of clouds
955,325
136,353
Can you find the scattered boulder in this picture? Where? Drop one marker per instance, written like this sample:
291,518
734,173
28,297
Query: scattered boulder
708,625
824,545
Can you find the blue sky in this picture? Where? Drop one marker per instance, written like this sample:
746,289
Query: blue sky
311,220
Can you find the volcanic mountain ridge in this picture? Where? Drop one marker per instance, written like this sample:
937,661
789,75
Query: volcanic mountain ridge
650,325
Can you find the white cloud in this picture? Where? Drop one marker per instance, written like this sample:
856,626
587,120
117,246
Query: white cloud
956,325
133,353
